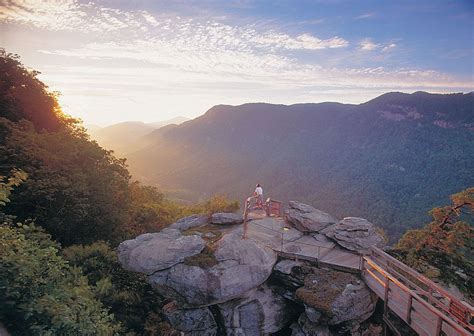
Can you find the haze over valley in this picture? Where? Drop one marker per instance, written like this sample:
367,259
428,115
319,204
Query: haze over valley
390,159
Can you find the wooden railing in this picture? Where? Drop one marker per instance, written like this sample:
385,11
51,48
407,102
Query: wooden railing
422,304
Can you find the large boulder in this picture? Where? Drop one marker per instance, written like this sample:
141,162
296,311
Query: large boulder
192,322
355,234
189,222
305,218
238,266
226,218
152,252
262,311
337,296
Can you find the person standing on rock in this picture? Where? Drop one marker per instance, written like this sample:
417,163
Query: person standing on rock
259,196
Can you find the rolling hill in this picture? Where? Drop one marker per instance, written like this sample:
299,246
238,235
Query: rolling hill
128,136
389,160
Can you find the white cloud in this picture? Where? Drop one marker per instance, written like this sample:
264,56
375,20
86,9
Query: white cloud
303,41
389,47
368,45
365,16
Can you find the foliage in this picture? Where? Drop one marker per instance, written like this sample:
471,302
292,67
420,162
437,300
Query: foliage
40,293
76,190
17,177
217,203
24,96
126,294
444,248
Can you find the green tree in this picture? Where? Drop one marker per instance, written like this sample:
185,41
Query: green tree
40,294
126,294
76,190
443,249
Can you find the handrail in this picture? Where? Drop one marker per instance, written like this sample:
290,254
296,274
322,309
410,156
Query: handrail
390,262
434,310
419,277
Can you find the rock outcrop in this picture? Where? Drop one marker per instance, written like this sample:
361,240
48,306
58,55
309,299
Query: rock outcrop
224,218
239,266
305,218
152,252
261,311
332,297
218,283
195,322
355,234
189,222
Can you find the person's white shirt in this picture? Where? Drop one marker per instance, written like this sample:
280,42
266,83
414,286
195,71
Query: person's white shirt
259,191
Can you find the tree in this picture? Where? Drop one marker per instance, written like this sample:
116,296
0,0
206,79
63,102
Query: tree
443,249
126,294
40,293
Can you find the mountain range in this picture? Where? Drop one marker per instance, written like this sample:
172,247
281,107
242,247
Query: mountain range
129,135
389,160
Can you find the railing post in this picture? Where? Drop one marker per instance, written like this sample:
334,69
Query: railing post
439,324
245,217
410,302
387,287
281,246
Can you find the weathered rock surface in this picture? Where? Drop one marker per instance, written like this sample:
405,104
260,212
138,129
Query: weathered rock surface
289,273
189,222
192,322
225,218
260,312
222,283
305,327
152,252
338,296
355,234
306,218
241,266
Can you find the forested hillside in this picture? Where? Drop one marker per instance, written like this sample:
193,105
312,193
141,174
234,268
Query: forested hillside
65,203
389,160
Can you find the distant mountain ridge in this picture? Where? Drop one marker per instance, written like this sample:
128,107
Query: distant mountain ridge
128,136
390,159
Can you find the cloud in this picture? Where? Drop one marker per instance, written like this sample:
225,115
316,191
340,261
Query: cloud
303,41
368,45
365,16
389,47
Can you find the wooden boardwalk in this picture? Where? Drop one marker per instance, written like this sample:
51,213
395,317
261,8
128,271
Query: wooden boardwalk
288,242
422,304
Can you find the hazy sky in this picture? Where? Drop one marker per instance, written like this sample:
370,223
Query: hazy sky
153,60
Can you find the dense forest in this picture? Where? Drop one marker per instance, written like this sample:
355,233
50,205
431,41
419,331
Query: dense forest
65,204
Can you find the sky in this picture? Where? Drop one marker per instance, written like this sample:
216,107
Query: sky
117,60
